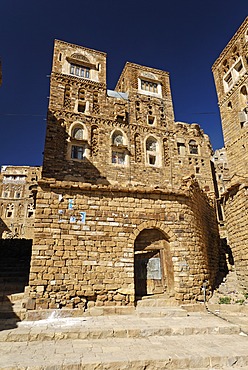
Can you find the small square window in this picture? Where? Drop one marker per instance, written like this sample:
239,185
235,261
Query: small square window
81,107
151,120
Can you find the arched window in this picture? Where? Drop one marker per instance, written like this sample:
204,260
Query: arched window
78,133
119,148
117,138
193,147
152,151
244,96
78,141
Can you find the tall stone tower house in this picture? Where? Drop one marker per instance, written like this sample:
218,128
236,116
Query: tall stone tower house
124,206
231,78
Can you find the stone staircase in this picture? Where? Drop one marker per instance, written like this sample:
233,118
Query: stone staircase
152,336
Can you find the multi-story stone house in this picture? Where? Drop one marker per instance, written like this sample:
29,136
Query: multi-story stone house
221,180
124,206
18,186
231,78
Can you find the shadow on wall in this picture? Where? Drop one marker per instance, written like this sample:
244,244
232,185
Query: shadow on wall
15,256
3,228
8,318
58,150
226,261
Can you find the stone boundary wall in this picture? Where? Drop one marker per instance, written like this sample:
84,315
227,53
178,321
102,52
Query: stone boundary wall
83,253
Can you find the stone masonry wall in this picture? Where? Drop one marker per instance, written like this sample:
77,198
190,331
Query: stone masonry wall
236,213
231,79
87,259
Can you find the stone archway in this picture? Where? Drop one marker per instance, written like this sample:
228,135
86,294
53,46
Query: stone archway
153,267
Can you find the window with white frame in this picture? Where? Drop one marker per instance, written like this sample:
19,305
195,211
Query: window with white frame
234,73
79,71
149,86
152,151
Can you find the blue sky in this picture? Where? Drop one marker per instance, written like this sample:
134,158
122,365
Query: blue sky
181,37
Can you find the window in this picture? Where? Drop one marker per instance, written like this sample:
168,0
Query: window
151,120
149,86
228,80
234,72
30,210
10,210
81,107
181,148
78,144
118,157
78,133
243,118
5,194
152,151
119,148
193,147
79,71
117,138
17,194
77,152
243,96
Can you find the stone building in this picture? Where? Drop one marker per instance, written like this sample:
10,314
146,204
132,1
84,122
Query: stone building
125,203
221,179
231,78
18,186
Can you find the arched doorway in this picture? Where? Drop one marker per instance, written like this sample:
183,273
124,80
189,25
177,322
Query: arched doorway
153,268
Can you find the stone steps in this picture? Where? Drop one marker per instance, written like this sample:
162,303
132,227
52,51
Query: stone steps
149,338
153,353
128,326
